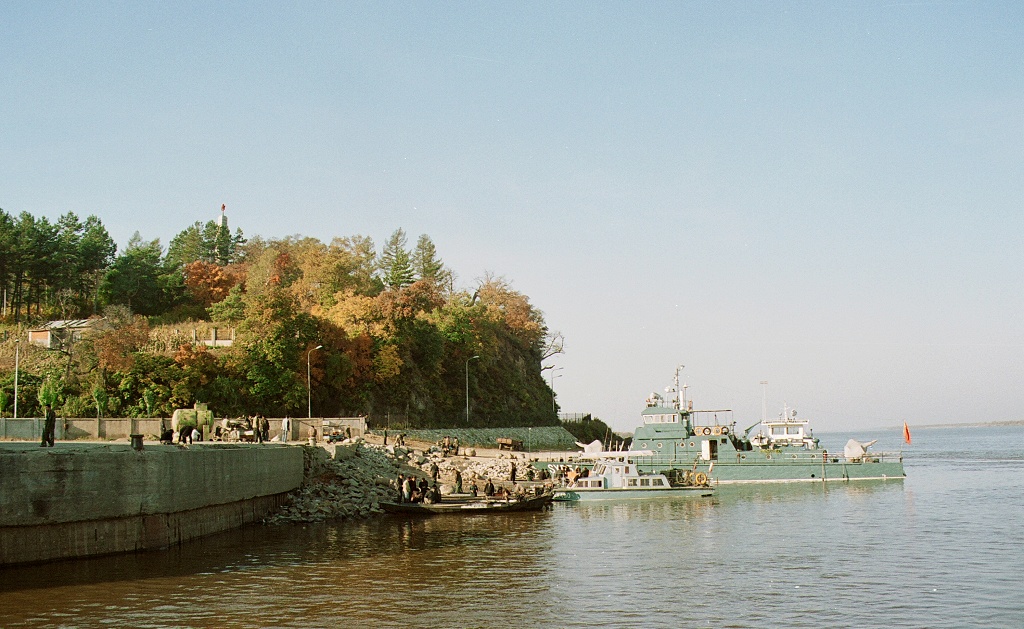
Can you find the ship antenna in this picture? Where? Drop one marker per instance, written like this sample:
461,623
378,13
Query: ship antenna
675,382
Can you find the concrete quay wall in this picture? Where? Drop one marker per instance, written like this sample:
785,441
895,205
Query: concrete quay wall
77,500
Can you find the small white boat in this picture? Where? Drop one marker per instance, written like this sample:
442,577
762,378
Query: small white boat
615,477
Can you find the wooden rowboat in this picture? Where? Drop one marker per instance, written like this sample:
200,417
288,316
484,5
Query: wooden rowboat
468,507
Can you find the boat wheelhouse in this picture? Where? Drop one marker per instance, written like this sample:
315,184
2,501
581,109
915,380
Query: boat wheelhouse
615,476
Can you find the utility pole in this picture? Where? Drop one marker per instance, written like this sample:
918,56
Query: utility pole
467,386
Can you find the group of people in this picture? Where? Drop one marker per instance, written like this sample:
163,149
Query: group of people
449,446
399,440
409,490
260,427
567,473
501,492
184,435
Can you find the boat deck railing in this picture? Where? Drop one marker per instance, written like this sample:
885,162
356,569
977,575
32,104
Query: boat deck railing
775,458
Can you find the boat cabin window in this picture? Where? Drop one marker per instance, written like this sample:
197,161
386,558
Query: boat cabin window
658,482
645,482
667,418
632,482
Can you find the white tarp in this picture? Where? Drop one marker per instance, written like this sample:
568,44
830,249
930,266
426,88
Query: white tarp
855,449
590,448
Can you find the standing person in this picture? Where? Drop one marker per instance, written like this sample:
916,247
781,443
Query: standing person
256,431
49,425
385,436
455,444
512,474
286,425
265,428
458,482
433,472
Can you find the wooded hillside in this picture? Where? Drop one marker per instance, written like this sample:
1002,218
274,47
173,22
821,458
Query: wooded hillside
381,334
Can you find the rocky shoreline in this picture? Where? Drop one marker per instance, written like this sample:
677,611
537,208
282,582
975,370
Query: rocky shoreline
349,480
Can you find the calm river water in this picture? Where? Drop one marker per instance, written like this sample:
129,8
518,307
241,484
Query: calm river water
943,548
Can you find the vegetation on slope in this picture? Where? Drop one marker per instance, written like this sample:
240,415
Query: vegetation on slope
385,335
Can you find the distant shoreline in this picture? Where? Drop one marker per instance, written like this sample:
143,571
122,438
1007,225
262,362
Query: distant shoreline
1017,422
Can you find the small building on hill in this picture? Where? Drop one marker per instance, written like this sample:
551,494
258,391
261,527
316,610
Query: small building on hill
58,334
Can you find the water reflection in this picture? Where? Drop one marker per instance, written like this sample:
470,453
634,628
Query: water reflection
384,571
654,509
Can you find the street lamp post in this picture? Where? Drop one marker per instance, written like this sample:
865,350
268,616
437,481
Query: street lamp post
309,384
553,376
467,387
17,348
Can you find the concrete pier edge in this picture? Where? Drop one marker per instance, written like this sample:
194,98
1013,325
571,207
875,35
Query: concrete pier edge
82,500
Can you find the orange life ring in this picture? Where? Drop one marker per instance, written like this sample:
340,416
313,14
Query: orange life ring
717,430
706,430
701,478
725,430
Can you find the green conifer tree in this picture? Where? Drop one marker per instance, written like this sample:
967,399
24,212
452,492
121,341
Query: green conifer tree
396,262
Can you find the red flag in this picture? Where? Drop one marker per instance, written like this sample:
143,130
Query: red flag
906,432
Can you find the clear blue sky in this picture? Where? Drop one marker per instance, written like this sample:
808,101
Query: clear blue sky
825,195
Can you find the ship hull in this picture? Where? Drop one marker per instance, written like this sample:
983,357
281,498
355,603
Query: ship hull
726,465
766,472
587,495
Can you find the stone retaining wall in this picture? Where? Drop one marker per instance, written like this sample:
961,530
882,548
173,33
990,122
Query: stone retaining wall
77,500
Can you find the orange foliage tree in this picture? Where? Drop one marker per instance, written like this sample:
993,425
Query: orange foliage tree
207,282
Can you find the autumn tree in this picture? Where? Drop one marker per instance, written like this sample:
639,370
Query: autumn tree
207,283
116,347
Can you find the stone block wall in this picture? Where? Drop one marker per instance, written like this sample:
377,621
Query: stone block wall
110,498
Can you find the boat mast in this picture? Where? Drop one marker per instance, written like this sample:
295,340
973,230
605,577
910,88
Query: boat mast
764,401
679,402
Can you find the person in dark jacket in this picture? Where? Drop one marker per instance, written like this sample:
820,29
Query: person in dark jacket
49,426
